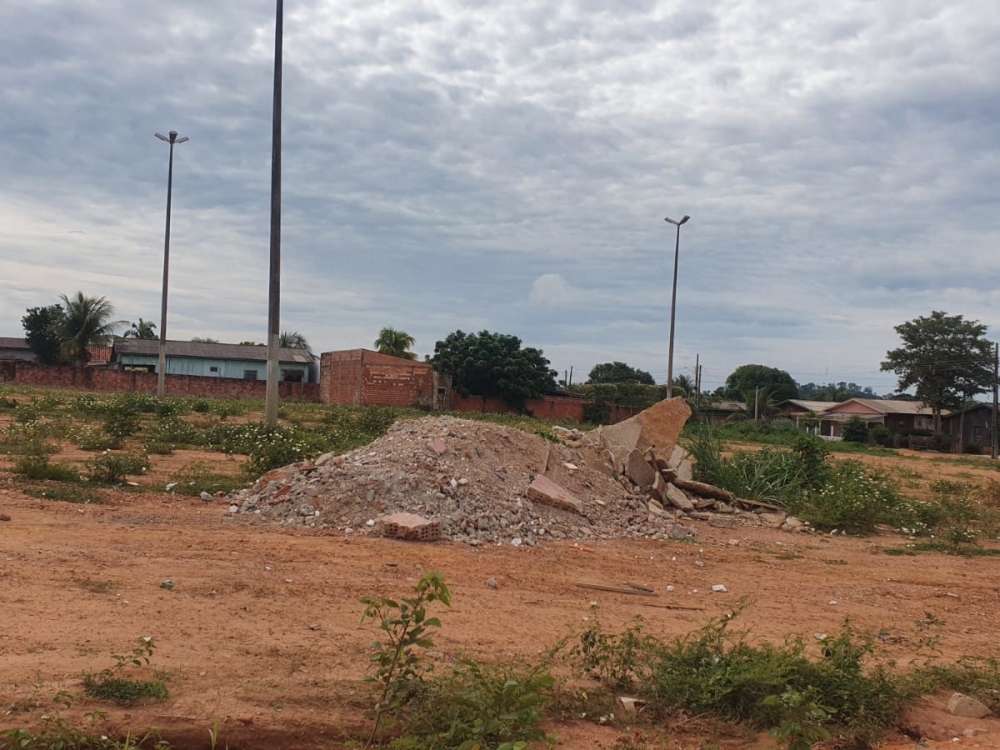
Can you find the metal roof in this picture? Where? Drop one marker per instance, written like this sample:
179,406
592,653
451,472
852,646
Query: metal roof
812,406
8,342
890,406
199,350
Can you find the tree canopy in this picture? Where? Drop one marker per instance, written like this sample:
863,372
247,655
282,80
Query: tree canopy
293,340
835,391
395,343
87,322
946,358
141,330
43,333
494,364
619,372
745,378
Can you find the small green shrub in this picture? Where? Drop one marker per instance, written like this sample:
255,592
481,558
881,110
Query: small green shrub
853,497
108,685
113,468
201,406
67,493
197,478
37,466
89,437
855,430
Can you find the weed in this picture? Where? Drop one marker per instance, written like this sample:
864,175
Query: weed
108,685
89,437
113,468
196,478
853,497
37,466
67,493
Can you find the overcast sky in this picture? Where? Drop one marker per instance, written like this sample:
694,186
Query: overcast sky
508,166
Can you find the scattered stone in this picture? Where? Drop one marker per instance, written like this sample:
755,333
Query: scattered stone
964,705
4,517
492,583
206,498
774,520
721,523
699,564
544,490
720,588
639,471
679,532
411,527
678,499
791,523
439,447
315,626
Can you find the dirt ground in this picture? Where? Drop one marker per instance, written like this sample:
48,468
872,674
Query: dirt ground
262,629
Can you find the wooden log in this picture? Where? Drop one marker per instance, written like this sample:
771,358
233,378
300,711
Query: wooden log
705,490
613,589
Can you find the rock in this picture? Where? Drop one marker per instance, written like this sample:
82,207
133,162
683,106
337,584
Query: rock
655,427
4,517
678,499
679,532
324,459
492,583
720,523
544,490
774,520
639,471
720,588
411,527
791,523
680,463
654,507
962,705
439,447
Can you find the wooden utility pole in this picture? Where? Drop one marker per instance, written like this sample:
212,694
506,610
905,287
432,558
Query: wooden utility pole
274,284
697,368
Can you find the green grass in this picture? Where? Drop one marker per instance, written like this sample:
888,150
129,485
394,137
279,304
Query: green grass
66,493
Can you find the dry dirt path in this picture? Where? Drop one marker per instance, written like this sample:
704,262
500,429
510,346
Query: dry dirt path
262,631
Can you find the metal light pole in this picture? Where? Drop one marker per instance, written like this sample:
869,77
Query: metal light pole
161,371
274,285
673,305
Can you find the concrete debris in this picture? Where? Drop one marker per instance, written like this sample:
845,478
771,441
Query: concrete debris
544,490
656,427
963,705
491,484
720,588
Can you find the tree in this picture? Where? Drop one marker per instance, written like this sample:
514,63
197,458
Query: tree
683,385
293,340
619,372
945,357
494,364
395,343
835,391
855,430
86,322
141,330
203,340
746,378
43,333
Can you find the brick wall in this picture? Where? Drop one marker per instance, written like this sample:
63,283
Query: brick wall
366,378
99,379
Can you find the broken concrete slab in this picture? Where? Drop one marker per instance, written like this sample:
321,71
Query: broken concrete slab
637,469
439,447
544,490
656,427
411,527
678,499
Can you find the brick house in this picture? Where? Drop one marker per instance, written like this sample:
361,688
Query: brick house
365,378
899,417
212,360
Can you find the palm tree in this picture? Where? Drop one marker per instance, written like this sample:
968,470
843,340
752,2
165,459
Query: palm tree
87,323
395,343
141,330
684,385
293,340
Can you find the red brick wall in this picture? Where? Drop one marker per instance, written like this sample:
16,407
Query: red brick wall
365,378
549,407
99,379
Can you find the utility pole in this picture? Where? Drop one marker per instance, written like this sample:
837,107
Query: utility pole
996,387
161,371
696,368
274,284
571,374
673,305
756,403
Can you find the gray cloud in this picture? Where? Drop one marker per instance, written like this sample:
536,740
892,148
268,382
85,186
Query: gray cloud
507,166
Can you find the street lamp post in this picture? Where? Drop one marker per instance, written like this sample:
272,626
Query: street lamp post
161,371
673,305
274,275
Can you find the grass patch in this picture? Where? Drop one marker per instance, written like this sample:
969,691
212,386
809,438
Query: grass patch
110,685
37,467
66,493
197,478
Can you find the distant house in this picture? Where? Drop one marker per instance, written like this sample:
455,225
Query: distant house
976,426
805,414
239,361
366,378
719,411
899,417
16,348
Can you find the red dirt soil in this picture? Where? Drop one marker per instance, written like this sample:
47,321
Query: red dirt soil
261,631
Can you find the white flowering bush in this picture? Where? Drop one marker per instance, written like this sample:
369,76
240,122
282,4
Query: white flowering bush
853,497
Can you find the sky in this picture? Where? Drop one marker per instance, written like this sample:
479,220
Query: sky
507,166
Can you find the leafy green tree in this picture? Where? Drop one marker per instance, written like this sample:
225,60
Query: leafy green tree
945,357
203,340
855,430
395,343
293,340
494,364
835,391
141,330
43,332
746,378
619,372
86,322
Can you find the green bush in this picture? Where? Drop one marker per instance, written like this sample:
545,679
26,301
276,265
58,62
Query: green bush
197,478
853,497
67,493
90,437
37,466
855,430
113,468
110,686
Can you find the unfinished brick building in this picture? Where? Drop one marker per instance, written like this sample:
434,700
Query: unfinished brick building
366,378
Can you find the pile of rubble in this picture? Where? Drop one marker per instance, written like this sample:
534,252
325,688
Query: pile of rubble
478,482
